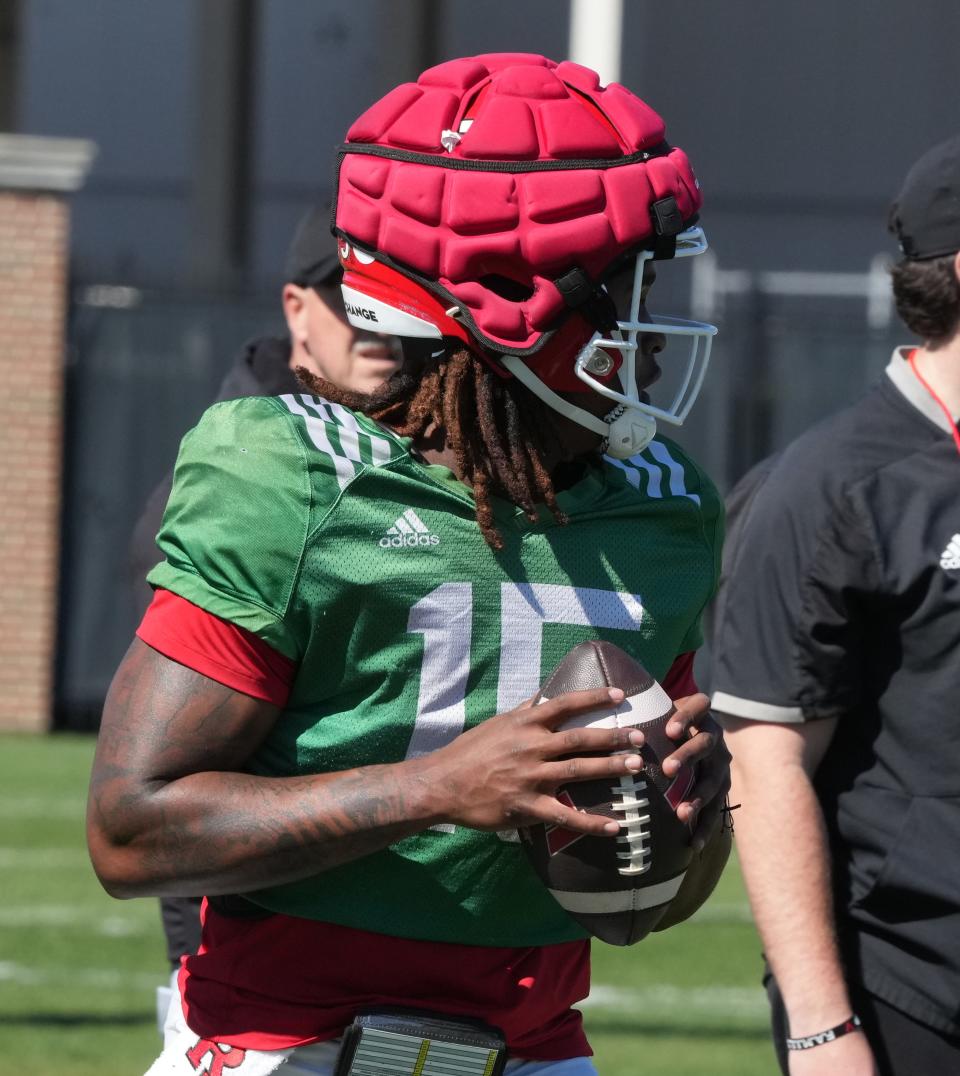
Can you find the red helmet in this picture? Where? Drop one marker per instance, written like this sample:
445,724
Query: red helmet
488,202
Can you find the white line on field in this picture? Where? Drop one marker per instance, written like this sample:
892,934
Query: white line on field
666,999
723,913
91,919
656,1000
103,978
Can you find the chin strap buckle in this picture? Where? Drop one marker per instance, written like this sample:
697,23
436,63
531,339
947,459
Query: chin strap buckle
630,432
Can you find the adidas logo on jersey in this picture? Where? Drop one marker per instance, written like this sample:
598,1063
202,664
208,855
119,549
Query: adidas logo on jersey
950,557
408,531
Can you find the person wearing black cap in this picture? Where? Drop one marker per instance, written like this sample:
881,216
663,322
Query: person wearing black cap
320,340
837,674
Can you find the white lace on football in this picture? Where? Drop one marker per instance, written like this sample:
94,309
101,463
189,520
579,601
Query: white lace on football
633,807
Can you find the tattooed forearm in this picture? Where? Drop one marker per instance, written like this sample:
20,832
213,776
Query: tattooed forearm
171,813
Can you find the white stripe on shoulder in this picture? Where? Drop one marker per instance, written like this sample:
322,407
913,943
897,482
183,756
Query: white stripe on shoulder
678,485
631,469
750,710
348,435
317,432
380,449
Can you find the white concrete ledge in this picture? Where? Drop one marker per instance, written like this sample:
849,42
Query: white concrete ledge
37,163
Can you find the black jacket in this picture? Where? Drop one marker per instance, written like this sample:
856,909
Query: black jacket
261,369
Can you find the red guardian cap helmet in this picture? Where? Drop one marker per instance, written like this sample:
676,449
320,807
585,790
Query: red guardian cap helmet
489,201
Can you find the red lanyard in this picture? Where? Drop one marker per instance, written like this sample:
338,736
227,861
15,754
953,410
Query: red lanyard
911,358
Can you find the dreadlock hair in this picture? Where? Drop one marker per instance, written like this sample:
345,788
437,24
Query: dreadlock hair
498,430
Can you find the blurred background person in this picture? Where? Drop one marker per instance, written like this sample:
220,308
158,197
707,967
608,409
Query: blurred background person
319,339
837,673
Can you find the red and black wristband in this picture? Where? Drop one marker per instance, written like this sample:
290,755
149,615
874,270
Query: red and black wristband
808,1042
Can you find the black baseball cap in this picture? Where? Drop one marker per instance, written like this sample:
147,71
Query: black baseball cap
925,218
312,258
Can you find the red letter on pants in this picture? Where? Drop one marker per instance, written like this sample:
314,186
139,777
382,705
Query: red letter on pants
221,1057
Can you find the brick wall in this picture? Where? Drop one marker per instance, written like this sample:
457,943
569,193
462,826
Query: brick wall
33,260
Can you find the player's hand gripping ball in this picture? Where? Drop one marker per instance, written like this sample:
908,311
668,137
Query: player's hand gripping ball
618,888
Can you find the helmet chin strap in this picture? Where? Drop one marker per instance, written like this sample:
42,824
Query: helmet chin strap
625,430
629,432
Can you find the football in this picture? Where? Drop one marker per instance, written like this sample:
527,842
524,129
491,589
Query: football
701,878
617,888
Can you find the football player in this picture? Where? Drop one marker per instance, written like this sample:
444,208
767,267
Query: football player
326,721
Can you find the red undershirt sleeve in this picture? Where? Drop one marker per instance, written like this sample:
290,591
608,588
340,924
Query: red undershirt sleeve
237,658
679,681
222,651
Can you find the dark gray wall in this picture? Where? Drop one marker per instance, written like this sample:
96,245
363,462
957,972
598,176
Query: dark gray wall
799,118
128,74
323,63
119,73
9,18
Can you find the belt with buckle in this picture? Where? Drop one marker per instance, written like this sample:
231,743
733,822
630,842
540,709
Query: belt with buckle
409,1042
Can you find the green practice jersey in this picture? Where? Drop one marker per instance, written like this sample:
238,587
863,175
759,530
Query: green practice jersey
316,529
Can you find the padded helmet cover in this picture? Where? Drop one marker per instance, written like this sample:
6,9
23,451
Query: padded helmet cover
545,171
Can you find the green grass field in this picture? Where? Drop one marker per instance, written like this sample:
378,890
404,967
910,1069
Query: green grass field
78,970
